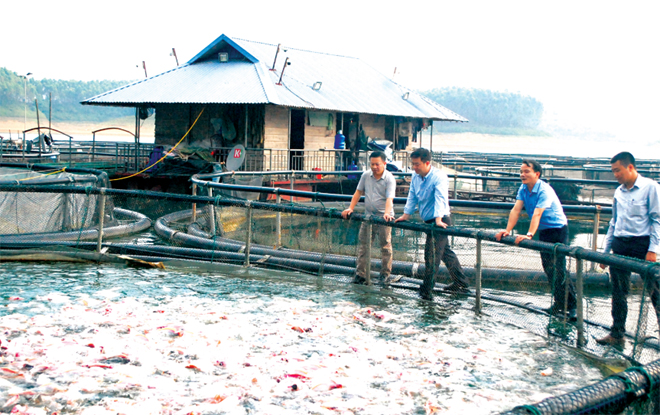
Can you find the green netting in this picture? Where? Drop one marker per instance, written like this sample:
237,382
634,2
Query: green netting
299,233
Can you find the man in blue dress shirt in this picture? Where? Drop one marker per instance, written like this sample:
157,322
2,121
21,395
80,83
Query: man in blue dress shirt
429,191
634,232
547,217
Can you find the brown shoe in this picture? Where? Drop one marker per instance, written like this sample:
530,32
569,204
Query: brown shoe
612,341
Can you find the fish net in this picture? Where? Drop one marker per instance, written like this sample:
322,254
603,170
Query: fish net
34,213
233,223
31,213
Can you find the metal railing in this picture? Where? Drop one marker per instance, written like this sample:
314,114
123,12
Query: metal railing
596,213
116,156
645,269
273,159
251,254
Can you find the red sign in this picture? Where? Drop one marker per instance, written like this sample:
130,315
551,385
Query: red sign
237,153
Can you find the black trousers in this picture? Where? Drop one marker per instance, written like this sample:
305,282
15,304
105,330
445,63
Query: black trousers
558,282
434,253
634,247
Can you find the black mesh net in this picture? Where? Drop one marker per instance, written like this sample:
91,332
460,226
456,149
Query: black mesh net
305,232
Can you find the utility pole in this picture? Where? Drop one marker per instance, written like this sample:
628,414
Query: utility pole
25,99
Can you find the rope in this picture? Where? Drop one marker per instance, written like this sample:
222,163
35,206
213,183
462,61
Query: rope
46,174
530,409
316,195
332,209
630,385
166,154
643,371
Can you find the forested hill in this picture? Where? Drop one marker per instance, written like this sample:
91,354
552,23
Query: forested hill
489,111
66,98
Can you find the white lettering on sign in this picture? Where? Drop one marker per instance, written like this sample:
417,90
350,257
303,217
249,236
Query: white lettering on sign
237,153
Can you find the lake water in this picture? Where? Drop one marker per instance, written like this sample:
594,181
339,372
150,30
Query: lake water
101,339
641,147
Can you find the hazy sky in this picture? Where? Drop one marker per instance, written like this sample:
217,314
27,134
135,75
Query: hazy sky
592,62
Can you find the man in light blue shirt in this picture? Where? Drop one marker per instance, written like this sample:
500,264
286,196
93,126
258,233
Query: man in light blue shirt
429,193
547,217
634,232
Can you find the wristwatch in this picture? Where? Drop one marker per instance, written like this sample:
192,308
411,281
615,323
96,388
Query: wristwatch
530,234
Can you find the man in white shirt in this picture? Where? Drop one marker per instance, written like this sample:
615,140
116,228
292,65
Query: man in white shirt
634,232
378,186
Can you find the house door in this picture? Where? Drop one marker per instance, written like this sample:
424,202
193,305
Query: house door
297,140
350,124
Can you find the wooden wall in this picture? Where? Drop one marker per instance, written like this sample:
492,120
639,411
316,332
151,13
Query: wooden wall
171,123
374,125
320,137
276,131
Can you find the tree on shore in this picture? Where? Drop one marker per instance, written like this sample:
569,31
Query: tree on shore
66,97
486,108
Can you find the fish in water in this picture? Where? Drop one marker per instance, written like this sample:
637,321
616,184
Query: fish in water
608,365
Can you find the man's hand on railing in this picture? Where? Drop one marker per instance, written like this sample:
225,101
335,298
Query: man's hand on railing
440,223
501,234
521,238
403,217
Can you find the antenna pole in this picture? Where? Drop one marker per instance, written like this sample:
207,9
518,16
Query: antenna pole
286,62
276,53
177,59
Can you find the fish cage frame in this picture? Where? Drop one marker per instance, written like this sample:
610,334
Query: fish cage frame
93,177
612,393
591,397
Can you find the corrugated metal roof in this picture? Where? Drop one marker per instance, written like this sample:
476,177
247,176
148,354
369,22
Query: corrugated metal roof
349,85
204,82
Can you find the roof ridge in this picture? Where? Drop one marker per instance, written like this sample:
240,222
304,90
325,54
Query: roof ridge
135,83
298,49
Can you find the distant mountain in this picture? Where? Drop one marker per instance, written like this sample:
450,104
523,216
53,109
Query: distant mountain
490,112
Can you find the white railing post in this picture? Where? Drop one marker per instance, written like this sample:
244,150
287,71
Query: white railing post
367,271
594,245
99,241
278,219
211,213
248,238
579,291
477,278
